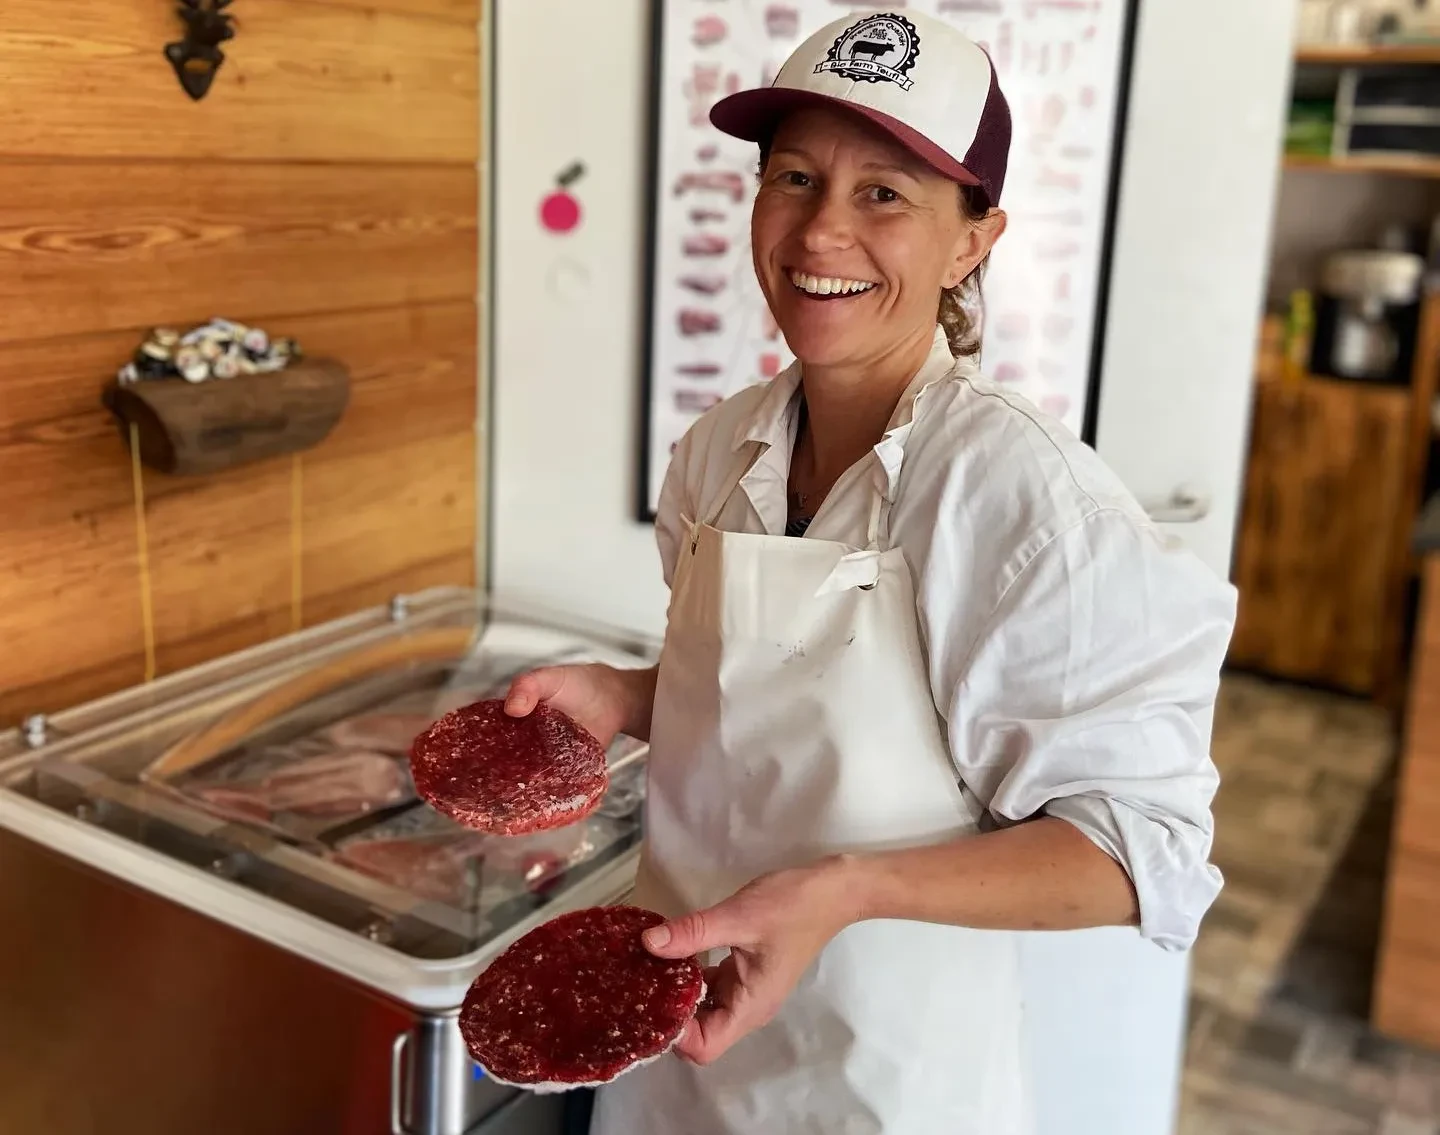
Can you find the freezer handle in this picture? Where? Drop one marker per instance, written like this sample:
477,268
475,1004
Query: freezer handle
397,1084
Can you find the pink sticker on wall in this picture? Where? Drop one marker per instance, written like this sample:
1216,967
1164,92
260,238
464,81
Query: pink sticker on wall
559,212
560,209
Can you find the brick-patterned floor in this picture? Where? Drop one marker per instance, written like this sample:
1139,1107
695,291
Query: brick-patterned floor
1278,1038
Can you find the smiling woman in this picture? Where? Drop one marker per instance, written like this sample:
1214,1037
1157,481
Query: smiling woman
931,682
879,189
860,247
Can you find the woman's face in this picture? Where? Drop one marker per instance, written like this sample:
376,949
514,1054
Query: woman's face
854,238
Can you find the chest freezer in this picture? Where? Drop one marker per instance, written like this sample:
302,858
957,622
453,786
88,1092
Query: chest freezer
222,907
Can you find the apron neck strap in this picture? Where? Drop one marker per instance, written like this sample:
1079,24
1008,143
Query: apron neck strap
878,514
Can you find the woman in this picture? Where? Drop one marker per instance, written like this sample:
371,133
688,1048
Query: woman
931,680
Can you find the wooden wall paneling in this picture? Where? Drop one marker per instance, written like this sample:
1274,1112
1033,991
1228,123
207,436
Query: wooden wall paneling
1313,556
412,370
326,188
369,519
219,551
301,80
223,572
397,472
449,571
1407,981
68,596
123,246
371,525
456,11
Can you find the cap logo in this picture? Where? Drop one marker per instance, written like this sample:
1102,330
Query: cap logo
877,49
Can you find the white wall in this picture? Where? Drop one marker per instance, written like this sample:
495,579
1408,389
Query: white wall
572,82
567,323
1196,201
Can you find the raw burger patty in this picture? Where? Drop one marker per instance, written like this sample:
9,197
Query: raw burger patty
578,1001
509,775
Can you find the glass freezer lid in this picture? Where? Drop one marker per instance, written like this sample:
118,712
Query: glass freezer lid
288,775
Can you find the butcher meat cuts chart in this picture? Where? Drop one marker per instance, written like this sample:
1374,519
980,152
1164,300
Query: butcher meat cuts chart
710,333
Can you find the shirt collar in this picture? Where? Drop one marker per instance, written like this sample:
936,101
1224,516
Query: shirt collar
771,421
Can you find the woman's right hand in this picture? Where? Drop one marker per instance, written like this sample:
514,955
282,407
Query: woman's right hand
603,699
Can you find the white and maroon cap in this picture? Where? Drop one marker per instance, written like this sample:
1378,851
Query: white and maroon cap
919,79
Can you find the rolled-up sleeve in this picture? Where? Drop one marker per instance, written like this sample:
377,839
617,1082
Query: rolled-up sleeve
1089,695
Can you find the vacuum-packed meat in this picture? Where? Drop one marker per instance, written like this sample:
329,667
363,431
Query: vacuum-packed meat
378,732
438,868
329,784
431,856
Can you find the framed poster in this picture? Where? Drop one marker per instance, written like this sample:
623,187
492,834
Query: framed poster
1064,66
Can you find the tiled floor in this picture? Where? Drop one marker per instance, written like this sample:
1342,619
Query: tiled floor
1278,1036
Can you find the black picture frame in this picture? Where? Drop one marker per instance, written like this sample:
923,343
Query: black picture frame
644,513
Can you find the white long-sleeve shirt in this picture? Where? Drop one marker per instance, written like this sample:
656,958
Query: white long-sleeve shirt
1074,650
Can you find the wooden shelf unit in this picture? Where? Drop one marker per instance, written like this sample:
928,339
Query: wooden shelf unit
1428,168
1366,54
1315,557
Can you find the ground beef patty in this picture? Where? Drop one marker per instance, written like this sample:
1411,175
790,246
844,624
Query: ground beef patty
578,1001
509,775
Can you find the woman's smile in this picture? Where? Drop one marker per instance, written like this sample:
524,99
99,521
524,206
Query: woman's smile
828,287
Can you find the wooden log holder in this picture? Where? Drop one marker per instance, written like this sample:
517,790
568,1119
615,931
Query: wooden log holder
190,429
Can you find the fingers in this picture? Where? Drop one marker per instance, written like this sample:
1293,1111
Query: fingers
729,1013
695,933
709,1036
529,690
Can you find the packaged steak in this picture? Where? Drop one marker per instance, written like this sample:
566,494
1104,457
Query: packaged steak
302,788
420,852
431,856
385,731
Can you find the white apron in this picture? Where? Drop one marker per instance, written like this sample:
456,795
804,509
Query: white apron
793,718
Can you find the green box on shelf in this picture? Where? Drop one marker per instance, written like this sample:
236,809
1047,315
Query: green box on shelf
1310,128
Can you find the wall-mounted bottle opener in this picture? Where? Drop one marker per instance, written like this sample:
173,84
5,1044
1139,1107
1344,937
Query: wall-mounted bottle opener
560,210
197,57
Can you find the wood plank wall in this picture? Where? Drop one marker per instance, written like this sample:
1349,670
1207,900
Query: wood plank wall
327,189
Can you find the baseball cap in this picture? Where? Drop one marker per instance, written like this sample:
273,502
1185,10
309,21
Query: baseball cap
921,80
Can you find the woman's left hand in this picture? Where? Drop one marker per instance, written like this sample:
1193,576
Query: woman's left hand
774,927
